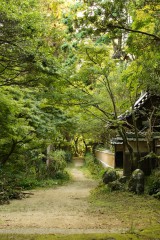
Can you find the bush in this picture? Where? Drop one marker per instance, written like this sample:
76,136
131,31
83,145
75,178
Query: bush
57,163
9,189
30,171
153,182
149,162
93,165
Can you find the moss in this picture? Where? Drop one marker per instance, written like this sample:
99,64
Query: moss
70,237
124,205
152,232
149,234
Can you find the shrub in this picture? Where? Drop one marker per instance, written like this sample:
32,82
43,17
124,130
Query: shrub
149,162
30,171
57,163
153,182
93,165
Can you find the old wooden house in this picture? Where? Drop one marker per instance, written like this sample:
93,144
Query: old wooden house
142,126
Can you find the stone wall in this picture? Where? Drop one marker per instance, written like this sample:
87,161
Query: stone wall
106,157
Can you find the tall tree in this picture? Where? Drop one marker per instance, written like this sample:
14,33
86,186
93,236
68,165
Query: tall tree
26,44
29,49
131,33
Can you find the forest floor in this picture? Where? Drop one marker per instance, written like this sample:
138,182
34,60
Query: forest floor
69,209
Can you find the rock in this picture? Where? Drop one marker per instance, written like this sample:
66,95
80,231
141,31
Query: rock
136,182
110,175
115,186
123,179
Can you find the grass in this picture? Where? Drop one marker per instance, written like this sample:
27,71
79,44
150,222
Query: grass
149,234
134,212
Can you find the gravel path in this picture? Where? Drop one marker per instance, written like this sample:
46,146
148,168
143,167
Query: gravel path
65,210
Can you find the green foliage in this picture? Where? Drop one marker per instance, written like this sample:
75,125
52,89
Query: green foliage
58,86
26,54
68,156
153,184
57,163
30,171
93,165
30,118
117,56
132,28
95,91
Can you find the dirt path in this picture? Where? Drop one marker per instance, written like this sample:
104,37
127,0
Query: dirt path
65,209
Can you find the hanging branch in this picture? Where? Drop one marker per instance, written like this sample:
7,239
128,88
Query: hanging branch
111,26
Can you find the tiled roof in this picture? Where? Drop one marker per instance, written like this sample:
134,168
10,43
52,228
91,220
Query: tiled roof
138,104
142,100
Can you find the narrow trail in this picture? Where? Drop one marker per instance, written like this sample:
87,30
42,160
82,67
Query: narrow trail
64,209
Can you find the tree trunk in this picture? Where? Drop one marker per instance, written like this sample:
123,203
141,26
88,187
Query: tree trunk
86,146
137,139
7,156
122,133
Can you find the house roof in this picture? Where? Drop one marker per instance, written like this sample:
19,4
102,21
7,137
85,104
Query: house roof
142,100
144,105
132,137
145,101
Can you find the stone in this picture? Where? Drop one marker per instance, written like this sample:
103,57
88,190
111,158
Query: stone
136,182
110,175
123,179
115,186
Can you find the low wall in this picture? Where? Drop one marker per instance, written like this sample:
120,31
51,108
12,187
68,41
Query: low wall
107,158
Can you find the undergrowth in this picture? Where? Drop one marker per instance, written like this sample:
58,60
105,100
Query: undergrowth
94,166
153,184
23,174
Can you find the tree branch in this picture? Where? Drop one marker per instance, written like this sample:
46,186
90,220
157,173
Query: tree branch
157,38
